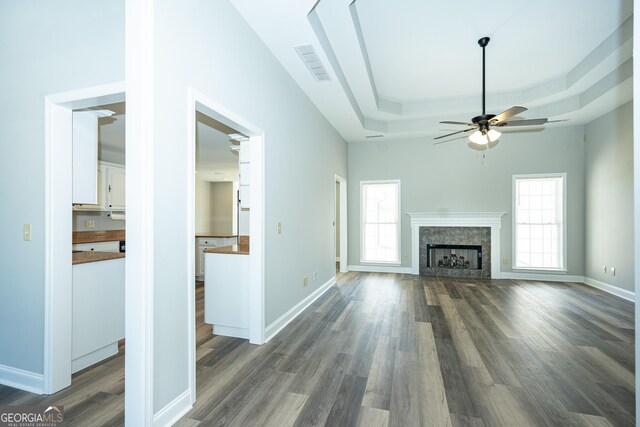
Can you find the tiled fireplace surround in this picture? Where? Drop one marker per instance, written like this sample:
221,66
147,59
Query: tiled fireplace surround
429,221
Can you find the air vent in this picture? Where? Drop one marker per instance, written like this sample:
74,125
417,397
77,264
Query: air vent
374,136
308,55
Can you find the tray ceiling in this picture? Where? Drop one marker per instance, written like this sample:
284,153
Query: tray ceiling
397,68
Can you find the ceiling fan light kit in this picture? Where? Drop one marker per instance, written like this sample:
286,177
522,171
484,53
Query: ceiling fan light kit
484,133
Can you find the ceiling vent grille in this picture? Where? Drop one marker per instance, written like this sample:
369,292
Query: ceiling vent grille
310,58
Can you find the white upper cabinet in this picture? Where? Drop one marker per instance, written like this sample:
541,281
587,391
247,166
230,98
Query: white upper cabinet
85,158
116,179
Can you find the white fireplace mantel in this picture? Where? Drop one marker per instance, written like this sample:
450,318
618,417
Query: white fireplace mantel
456,219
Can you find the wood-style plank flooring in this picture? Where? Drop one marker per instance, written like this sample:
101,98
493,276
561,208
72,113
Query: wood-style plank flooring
385,349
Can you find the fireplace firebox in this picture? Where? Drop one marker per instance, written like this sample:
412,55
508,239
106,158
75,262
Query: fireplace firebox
454,256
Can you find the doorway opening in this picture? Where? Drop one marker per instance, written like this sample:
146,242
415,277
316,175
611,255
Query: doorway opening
246,225
74,307
340,224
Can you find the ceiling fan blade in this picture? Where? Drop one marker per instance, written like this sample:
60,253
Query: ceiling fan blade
507,113
529,122
448,122
453,133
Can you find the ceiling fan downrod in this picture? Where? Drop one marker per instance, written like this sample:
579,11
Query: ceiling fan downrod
483,42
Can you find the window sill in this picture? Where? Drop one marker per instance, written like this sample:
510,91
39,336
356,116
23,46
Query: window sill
540,270
397,264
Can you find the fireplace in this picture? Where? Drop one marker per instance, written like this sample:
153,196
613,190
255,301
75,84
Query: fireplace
456,229
455,256
455,251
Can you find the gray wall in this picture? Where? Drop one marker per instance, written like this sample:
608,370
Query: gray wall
219,55
609,198
451,177
48,47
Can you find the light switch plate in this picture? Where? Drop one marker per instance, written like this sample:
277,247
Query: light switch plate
26,232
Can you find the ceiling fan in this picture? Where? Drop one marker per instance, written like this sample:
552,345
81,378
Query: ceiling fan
484,125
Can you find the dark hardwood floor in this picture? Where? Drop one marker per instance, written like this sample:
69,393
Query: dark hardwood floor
385,349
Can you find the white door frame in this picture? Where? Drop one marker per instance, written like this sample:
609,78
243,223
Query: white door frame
343,221
58,225
196,101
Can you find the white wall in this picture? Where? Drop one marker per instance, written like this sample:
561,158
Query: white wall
609,198
48,47
451,177
208,45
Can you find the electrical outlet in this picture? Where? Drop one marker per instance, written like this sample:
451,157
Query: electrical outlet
305,280
604,269
406,257
89,223
315,275
505,260
279,228
613,271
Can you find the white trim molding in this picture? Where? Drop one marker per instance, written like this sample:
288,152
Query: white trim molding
380,269
24,380
273,329
174,410
456,219
611,289
544,277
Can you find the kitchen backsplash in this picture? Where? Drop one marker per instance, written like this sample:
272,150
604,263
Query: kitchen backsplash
100,219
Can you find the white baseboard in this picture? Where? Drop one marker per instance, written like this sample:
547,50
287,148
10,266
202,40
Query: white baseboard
380,269
606,287
24,380
230,331
614,290
273,329
79,363
173,411
542,276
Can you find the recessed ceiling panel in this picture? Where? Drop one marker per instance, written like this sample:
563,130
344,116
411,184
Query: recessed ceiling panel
422,50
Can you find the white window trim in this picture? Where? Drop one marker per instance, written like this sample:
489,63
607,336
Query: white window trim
398,225
563,269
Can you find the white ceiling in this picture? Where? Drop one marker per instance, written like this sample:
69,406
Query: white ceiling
214,159
398,68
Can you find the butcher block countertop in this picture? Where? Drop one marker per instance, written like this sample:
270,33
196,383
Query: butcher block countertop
230,250
97,236
84,257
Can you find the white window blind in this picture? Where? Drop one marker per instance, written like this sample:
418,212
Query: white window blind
539,228
380,221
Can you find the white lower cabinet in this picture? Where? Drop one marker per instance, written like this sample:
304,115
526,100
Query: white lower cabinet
113,246
97,311
203,243
226,294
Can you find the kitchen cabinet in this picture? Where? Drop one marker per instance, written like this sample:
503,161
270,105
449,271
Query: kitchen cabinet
111,184
97,312
245,177
115,187
226,294
113,246
203,243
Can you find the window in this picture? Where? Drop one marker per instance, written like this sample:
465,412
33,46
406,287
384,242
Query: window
539,233
380,231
